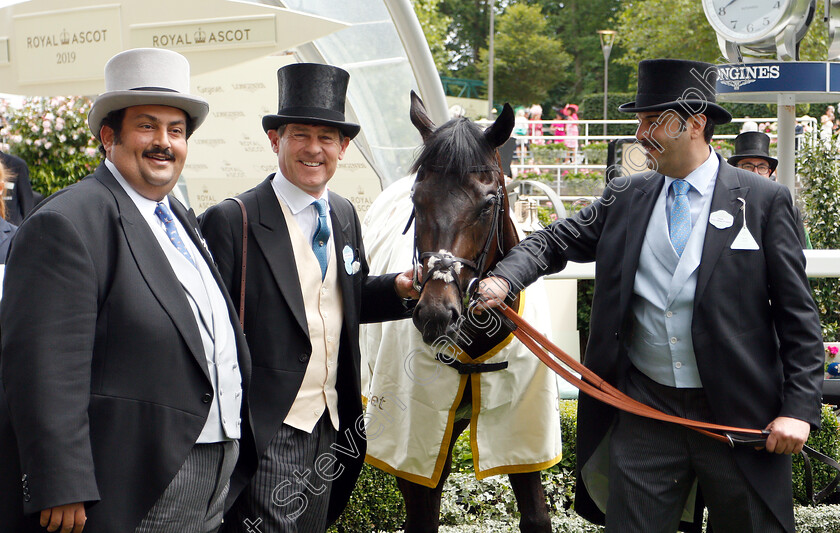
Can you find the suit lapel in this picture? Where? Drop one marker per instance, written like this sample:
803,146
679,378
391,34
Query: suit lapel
641,207
725,198
272,235
341,239
149,258
189,221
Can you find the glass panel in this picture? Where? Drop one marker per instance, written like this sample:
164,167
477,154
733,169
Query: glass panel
380,79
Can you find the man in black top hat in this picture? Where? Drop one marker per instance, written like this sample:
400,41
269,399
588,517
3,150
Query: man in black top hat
306,292
702,309
752,153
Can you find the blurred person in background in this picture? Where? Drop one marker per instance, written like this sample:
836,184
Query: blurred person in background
7,230
752,153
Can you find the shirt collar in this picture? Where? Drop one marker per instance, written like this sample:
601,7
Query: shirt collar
700,177
294,197
145,205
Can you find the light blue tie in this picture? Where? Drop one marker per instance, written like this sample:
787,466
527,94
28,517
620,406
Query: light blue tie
680,216
165,215
322,236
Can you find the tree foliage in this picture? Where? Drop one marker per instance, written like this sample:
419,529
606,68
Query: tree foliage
576,22
469,29
678,29
527,57
665,29
436,29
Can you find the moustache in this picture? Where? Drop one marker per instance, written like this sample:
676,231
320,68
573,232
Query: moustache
167,153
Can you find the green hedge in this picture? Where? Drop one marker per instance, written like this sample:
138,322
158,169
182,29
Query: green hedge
827,441
818,168
376,504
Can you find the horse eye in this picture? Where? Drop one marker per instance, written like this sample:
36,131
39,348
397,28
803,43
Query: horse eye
489,204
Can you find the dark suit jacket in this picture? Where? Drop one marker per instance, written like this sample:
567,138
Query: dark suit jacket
22,199
742,296
102,362
275,319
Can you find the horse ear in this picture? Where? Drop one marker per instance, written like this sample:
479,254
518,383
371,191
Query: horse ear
419,117
499,131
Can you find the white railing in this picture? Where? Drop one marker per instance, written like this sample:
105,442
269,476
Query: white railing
591,131
819,264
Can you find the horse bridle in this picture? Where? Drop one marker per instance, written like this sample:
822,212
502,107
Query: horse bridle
447,267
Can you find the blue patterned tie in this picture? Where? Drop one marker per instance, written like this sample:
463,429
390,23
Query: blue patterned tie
165,216
322,236
680,216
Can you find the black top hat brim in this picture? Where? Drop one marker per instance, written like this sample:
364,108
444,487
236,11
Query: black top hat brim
716,113
272,122
772,161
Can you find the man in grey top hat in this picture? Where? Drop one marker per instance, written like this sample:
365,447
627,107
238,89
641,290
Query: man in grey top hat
701,309
307,289
123,361
752,153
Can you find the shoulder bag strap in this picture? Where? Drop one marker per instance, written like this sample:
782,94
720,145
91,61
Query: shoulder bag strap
244,261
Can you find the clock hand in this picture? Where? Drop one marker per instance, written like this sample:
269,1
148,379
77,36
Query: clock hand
730,3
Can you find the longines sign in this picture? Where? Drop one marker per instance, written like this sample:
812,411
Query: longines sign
67,44
206,34
810,81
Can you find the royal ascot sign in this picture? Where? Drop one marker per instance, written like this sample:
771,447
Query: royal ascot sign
66,44
763,82
206,34
56,47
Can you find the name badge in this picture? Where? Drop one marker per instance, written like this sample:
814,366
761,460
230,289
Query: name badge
347,256
721,219
744,240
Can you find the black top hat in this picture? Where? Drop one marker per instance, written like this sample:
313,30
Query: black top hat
677,84
311,93
753,144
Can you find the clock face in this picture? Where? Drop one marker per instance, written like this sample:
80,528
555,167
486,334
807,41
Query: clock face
745,20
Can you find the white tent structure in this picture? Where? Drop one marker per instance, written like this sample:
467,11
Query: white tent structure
52,48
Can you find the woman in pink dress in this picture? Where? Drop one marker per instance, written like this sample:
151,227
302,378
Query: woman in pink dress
572,130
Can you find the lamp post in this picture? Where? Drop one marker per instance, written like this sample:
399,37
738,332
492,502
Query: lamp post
491,52
607,38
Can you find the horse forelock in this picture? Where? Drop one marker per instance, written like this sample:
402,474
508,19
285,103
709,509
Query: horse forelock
455,149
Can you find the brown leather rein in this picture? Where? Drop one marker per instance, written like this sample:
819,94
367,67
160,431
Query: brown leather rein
596,387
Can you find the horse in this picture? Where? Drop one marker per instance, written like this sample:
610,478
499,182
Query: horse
454,368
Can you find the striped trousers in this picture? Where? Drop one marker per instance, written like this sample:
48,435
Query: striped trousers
194,500
290,492
653,467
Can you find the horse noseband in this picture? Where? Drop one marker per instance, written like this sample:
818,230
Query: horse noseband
445,267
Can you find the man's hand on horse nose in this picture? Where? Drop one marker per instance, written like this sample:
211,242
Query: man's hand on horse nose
492,292
404,285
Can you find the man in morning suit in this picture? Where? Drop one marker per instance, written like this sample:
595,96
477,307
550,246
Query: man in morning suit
701,309
122,359
307,289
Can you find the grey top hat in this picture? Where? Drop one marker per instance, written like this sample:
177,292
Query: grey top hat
677,84
753,144
147,76
311,93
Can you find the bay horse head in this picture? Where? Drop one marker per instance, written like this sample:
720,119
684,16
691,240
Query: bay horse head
461,214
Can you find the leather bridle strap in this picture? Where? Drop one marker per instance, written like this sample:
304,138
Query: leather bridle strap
593,385
598,388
